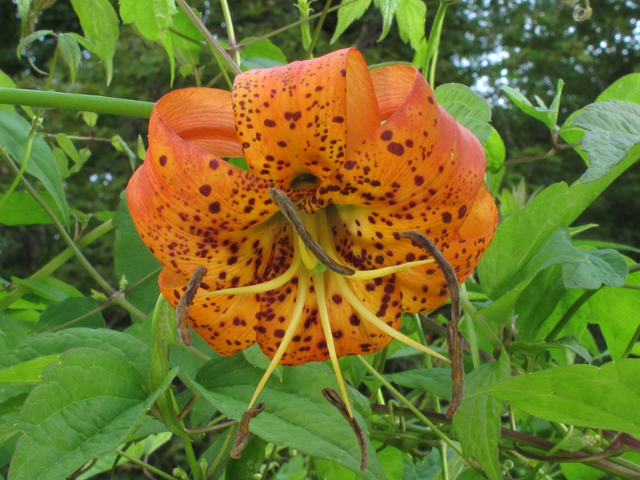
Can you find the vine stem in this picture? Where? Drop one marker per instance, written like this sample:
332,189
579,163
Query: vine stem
208,37
119,299
230,33
568,314
411,407
56,263
434,43
151,468
316,32
550,153
480,321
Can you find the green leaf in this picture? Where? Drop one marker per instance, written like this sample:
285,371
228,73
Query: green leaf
467,108
296,412
495,151
431,468
249,463
23,209
142,150
332,471
152,17
613,130
477,420
349,14
26,373
120,145
50,288
388,9
81,311
14,131
133,259
70,52
262,49
88,405
534,348
432,380
69,148
126,347
99,23
62,162
411,16
187,53
606,267
90,118
626,88
548,116
6,82
30,11
29,39
519,237
583,395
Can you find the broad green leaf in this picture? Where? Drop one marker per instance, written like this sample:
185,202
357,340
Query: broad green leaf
168,46
133,259
13,332
83,312
613,130
23,209
69,148
152,17
6,82
431,380
70,52
26,373
29,39
14,131
606,267
62,162
495,151
548,116
626,88
142,150
519,237
296,412
431,467
534,348
262,49
90,118
579,471
88,405
602,244
467,108
391,461
332,471
30,11
388,9
126,347
605,397
255,357
411,16
49,288
349,14
249,463
187,52
477,420
99,23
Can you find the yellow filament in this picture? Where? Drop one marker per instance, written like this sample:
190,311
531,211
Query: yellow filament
318,284
381,272
364,312
264,286
298,310
309,221
309,259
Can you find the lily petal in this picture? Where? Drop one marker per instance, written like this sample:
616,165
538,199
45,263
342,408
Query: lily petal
301,121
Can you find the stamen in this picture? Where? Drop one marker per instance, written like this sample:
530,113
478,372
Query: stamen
298,310
288,210
381,272
318,284
182,310
264,286
364,312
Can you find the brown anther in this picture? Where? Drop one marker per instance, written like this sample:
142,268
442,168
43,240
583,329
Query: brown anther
242,434
182,310
334,399
288,210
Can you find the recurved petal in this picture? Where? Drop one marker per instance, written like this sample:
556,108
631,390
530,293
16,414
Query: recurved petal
226,322
301,121
202,117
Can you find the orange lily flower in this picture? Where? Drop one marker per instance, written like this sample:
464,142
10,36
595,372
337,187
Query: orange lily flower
362,155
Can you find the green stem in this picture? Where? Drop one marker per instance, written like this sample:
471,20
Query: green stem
56,263
211,41
411,407
230,34
480,322
305,31
196,471
568,314
25,161
223,448
443,460
151,468
73,101
434,43
471,333
316,33
632,342
76,251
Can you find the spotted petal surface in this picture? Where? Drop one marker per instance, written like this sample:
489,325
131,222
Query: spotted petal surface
364,155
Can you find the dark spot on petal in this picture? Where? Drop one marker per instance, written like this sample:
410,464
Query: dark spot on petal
214,207
446,217
163,160
462,212
336,298
349,164
418,180
395,148
205,190
278,333
386,135
338,119
213,164
269,123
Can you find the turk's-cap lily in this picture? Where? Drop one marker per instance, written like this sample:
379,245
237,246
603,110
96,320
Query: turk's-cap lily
359,157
